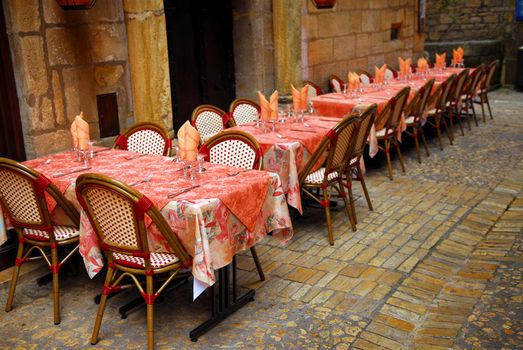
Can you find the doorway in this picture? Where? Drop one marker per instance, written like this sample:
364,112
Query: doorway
201,56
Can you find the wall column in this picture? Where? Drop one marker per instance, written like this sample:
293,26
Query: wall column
287,44
148,61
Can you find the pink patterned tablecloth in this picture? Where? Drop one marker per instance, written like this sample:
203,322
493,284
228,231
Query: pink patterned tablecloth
286,151
230,211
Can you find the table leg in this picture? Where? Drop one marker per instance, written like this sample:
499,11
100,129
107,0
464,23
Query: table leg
224,299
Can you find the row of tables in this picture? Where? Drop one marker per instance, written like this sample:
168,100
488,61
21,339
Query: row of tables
227,210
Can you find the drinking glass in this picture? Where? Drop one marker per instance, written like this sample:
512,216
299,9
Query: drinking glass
201,158
176,156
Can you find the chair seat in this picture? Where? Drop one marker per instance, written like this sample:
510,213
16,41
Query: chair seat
381,132
316,177
61,233
158,260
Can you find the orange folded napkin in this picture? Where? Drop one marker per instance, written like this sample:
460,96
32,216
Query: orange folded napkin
188,141
82,131
379,74
269,109
440,60
457,55
354,80
404,66
299,97
74,135
422,64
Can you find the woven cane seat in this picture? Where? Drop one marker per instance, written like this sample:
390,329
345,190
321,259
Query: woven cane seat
61,233
381,132
158,260
410,120
317,176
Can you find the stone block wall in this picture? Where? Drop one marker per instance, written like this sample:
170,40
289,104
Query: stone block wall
355,34
253,42
62,60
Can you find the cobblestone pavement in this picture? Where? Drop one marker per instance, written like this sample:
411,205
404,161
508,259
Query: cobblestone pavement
436,265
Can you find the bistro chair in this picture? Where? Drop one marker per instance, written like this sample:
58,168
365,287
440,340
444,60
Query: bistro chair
470,91
314,89
243,111
209,120
388,122
440,100
24,193
116,211
337,144
146,137
414,113
335,83
484,88
353,171
454,105
239,149
390,73
365,77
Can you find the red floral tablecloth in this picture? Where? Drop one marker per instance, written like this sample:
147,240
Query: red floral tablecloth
230,211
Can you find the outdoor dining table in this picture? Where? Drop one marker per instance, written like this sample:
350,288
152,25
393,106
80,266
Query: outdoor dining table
223,211
287,150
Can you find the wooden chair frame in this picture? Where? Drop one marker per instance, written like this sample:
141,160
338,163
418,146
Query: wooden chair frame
121,141
314,86
40,186
338,156
454,104
484,88
197,115
416,108
338,79
369,76
118,269
440,98
235,104
391,117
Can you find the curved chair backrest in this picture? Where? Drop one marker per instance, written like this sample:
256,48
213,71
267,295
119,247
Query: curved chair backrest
244,110
23,194
234,148
458,85
335,83
390,73
444,94
419,101
489,74
147,137
209,120
390,116
474,80
337,143
365,77
367,117
314,90
116,212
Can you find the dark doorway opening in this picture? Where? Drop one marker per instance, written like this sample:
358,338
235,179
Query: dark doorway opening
201,57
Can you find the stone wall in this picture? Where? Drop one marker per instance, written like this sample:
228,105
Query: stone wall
486,29
62,60
253,47
355,34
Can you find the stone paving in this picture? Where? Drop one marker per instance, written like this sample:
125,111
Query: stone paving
436,265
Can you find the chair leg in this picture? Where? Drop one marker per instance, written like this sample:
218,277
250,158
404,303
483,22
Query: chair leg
389,162
101,306
447,131
257,263
415,135
351,197
348,204
14,279
481,102
326,206
438,132
488,105
458,113
466,103
362,181
400,156
150,308
425,144
474,112
56,289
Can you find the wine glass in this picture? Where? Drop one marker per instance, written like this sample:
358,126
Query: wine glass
176,156
200,158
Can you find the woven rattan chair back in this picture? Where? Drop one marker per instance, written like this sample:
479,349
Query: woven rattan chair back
367,118
335,83
146,137
445,92
474,80
314,89
244,110
337,143
489,75
458,86
365,77
116,212
233,148
420,101
22,194
209,120
390,116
